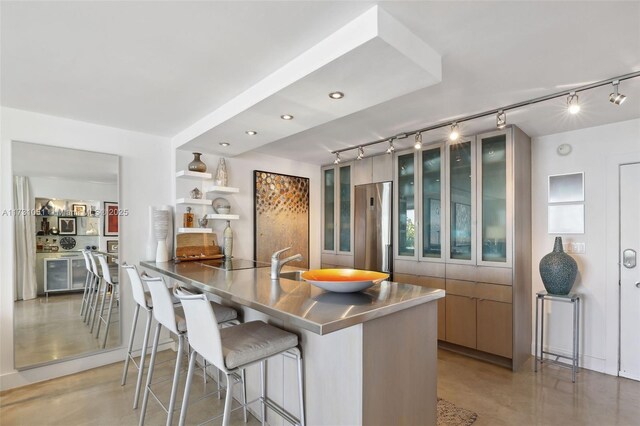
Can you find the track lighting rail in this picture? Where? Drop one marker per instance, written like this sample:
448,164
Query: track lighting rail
614,80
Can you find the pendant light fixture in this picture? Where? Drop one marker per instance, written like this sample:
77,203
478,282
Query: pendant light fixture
501,120
616,98
360,153
418,143
454,134
573,104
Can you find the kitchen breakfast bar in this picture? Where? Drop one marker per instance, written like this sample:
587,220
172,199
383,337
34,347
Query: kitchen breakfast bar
369,357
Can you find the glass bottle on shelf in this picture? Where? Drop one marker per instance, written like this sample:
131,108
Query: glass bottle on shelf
228,241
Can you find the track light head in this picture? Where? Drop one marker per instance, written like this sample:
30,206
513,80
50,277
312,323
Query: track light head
360,153
616,98
337,160
501,120
454,134
418,143
391,147
573,104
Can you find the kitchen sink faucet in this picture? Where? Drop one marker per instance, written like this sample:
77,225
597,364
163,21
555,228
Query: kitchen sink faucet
277,263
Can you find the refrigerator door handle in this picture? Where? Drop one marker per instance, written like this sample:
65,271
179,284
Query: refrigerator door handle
387,267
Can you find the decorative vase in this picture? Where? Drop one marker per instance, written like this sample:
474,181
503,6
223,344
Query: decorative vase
558,270
195,193
222,177
228,241
161,231
197,165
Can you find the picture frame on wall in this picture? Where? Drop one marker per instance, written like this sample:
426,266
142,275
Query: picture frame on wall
281,215
111,219
67,225
79,209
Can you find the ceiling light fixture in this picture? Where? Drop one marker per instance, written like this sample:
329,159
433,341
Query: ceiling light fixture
225,144
391,147
336,95
418,143
616,97
570,95
360,153
287,117
573,104
337,160
501,120
454,134
251,132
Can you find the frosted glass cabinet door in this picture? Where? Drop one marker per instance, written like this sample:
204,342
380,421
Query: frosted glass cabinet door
78,273
56,275
461,181
406,205
329,209
345,209
432,203
492,185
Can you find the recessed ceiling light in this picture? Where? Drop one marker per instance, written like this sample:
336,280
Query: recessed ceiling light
286,117
224,144
336,95
251,132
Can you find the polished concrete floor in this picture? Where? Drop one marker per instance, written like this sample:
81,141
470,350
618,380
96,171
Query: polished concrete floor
48,329
499,396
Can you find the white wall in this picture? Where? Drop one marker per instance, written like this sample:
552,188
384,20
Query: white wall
240,171
597,152
71,189
145,179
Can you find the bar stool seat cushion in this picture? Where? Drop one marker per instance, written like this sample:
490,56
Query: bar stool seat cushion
252,341
222,313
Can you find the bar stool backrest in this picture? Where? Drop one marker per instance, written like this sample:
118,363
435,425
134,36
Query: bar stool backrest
202,327
163,310
94,266
106,274
87,262
137,288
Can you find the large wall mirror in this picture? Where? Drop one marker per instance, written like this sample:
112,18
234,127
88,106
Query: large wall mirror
65,201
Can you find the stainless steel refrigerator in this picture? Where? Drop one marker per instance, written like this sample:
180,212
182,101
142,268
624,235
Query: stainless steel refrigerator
373,224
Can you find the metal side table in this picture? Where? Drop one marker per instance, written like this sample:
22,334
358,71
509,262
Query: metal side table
574,299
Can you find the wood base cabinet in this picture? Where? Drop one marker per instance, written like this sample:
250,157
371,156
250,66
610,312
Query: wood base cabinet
461,320
494,327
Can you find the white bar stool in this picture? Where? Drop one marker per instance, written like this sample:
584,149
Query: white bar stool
92,306
88,283
233,349
172,318
113,284
143,300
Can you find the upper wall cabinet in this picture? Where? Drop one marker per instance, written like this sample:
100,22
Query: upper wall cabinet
454,201
337,209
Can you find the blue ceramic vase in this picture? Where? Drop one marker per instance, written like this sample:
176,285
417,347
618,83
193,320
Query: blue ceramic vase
558,270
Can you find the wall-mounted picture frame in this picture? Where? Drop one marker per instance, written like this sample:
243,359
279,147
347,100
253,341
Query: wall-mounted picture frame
79,209
112,246
67,225
111,219
566,188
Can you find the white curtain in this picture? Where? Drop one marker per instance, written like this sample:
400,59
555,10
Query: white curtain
25,240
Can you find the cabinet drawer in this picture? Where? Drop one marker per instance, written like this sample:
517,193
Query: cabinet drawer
461,320
461,288
495,327
498,293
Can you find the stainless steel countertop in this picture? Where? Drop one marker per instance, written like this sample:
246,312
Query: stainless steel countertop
298,303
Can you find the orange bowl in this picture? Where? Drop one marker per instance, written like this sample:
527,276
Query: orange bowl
343,280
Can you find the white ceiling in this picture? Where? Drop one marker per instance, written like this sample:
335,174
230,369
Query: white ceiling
158,67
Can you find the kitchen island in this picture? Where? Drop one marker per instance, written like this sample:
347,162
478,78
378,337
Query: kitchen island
369,357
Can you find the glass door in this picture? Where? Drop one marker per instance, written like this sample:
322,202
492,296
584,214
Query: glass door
406,206
78,273
494,211
461,196
56,275
344,237
328,209
432,203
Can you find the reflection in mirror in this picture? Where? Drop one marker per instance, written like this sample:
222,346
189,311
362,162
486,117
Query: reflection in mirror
63,204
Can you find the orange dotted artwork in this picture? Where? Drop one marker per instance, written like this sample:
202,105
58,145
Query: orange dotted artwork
282,215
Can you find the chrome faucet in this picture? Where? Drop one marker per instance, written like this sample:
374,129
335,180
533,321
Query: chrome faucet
277,263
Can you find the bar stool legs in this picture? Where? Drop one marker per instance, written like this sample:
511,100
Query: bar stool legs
85,294
143,353
136,313
145,399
